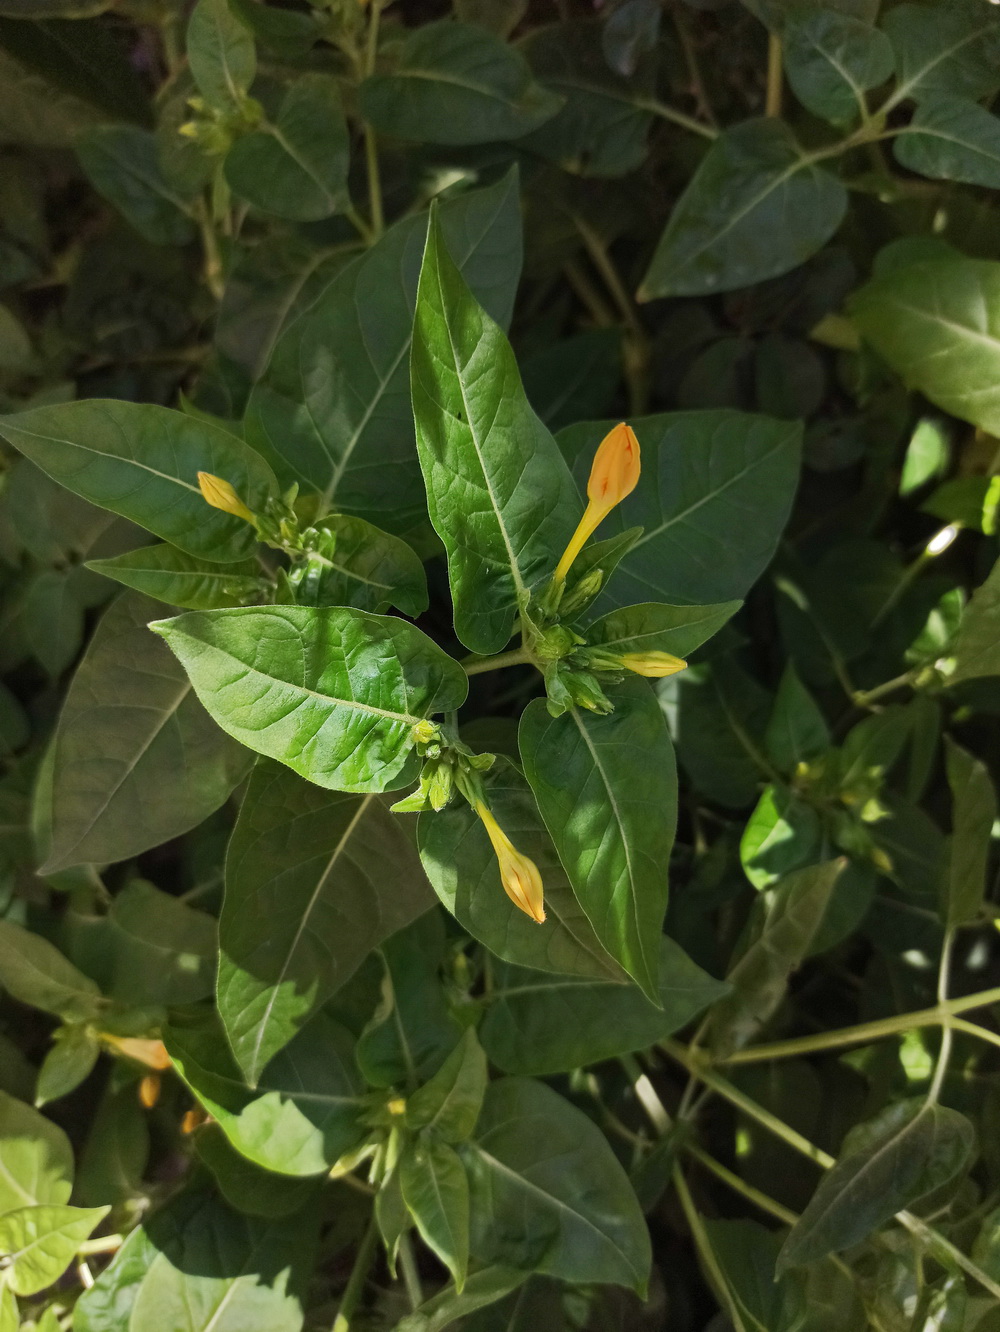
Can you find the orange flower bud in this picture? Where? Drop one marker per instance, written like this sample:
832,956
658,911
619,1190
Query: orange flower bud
149,1090
520,876
151,1053
221,495
656,665
613,476
193,1119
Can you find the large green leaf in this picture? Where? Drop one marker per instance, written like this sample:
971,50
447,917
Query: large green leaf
221,55
314,881
304,1112
245,1186
612,820
951,50
974,813
977,648
335,696
654,627
714,495
130,724
297,166
455,83
39,1243
142,462
33,971
832,60
756,207
499,494
462,867
122,163
449,1103
369,569
161,950
436,1192
886,1163
950,138
171,575
36,1159
745,1253
332,410
548,1193
937,322
540,1024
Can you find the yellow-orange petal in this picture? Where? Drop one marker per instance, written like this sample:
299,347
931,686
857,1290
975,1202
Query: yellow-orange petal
520,876
615,472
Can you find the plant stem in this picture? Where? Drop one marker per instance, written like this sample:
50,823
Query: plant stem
738,1185
411,1277
705,1250
944,1054
637,349
375,206
588,295
865,698
772,104
479,665
214,280
657,108
356,1281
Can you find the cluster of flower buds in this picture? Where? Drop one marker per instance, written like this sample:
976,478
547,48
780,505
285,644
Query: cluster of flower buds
216,131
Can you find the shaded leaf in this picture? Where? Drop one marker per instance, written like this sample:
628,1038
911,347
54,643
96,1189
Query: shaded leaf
950,138
70,1060
796,730
36,973
36,1159
450,1101
247,1187
163,951
832,60
974,812
977,648
948,49
123,165
221,55
782,834
171,575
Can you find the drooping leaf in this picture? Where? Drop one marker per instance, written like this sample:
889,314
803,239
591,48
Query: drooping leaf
949,50
482,1288
39,1242
756,207
974,812
547,1192
455,83
332,410
436,1193
130,724
611,821
538,1024
314,881
950,138
142,462
36,1159
122,164
713,497
34,971
498,492
336,698
221,55
171,575
886,1163
977,648
297,166
462,868
832,60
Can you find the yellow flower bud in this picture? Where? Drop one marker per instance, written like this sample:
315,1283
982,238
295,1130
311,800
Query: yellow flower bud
151,1053
520,876
613,476
149,1090
656,665
221,495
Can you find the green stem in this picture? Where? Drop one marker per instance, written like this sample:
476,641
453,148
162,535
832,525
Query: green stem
944,1054
375,205
772,104
479,665
705,1250
356,1281
658,108
865,698
738,1185
411,1277
214,279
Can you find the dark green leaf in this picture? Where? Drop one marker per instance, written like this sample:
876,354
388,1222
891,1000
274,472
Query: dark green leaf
370,569
782,834
908,1150
951,138
832,60
114,1158
499,494
755,208
314,881
548,1194
221,55
977,649
612,821
538,1024
714,495
449,1103
39,1243
462,867
245,1186
142,462
123,165
455,83
653,627
721,716
70,1060
36,973
797,730
129,725
950,50
974,812
163,951
574,379
481,1289
36,1159
336,699
297,167
436,1192
171,575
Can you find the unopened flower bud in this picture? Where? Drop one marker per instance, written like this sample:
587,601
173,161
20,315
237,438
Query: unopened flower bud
613,476
149,1090
151,1053
655,665
221,495
583,593
519,874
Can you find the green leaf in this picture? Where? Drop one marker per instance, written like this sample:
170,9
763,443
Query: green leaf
974,812
449,1103
908,1150
653,627
142,462
721,715
832,60
782,834
370,569
67,1064
297,166
162,950
462,867
778,937
455,83
304,1112
221,55
977,648
10,1318
333,409
412,1030
951,50
934,321
116,1152
245,1186
548,1194
575,378
130,724
36,112
538,1024
746,1253
123,165
714,495
481,1289
498,492
756,207
796,730
336,699
39,1243
436,1192
950,138
36,973
969,500
108,1304
36,1159
612,820
314,881
171,575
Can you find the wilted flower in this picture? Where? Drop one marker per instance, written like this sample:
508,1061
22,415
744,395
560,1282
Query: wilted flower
519,874
221,495
613,476
656,665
